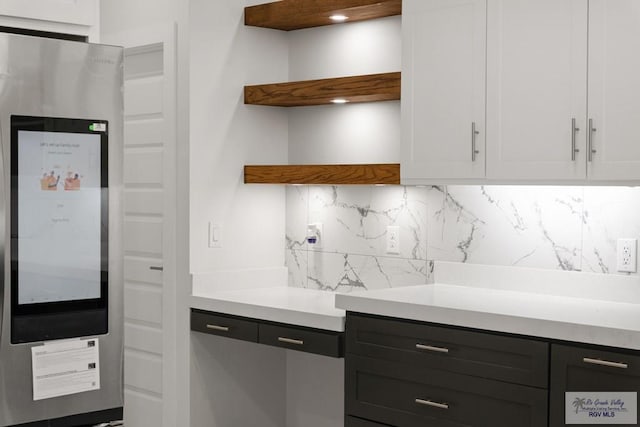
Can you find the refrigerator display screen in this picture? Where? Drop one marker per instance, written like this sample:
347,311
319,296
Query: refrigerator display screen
59,216
59,228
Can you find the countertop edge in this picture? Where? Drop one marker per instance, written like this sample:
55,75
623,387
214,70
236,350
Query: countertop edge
525,326
273,314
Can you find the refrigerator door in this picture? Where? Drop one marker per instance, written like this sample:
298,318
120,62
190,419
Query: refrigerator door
55,78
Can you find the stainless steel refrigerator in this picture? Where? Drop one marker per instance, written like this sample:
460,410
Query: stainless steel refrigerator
60,223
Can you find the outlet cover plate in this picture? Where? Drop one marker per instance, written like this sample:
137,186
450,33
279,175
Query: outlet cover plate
627,255
393,239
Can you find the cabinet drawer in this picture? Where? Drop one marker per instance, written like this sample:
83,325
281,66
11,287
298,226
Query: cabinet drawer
509,359
224,326
326,343
359,422
575,368
402,396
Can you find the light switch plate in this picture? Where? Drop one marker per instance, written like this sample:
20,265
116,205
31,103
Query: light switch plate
215,235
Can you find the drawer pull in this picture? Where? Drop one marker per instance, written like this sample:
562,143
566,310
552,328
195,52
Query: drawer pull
605,363
290,341
218,328
432,404
431,348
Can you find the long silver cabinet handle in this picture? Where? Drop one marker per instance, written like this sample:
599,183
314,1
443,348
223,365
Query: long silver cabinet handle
591,361
156,268
574,131
432,404
432,348
592,130
290,341
474,135
218,328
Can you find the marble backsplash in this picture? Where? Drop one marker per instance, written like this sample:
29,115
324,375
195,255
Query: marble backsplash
552,227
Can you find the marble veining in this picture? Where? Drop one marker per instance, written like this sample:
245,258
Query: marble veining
552,227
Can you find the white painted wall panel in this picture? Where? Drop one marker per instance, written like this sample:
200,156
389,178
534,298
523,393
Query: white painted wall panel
143,202
144,132
143,338
226,135
143,371
143,96
143,167
143,237
143,305
138,269
357,133
366,47
142,410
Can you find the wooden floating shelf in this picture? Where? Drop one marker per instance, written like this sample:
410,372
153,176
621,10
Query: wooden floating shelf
360,174
290,15
367,88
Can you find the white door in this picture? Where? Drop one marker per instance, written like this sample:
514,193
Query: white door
149,229
443,89
536,86
614,89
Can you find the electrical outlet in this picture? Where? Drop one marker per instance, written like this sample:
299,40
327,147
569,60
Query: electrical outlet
315,235
393,239
626,254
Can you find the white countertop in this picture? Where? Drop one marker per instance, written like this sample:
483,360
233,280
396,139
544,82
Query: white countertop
296,306
601,322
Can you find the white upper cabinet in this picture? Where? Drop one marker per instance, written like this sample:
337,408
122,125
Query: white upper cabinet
562,91
443,89
536,89
79,17
614,89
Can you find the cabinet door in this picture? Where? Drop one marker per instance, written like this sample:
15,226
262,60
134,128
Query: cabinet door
536,85
443,89
405,396
586,369
614,85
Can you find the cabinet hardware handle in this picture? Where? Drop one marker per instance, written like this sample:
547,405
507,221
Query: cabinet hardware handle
605,363
433,404
218,328
574,130
156,268
474,134
431,348
592,151
290,341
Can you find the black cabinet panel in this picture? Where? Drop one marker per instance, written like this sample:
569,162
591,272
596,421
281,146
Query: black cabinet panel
310,340
575,368
316,341
359,422
404,396
509,359
224,326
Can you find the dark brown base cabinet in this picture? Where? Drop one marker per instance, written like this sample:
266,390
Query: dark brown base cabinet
291,337
402,373
575,368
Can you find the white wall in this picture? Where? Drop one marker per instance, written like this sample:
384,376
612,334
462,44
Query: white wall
226,135
357,133
118,16
234,383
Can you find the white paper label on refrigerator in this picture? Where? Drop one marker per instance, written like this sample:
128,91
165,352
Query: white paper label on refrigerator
65,367
592,407
59,224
